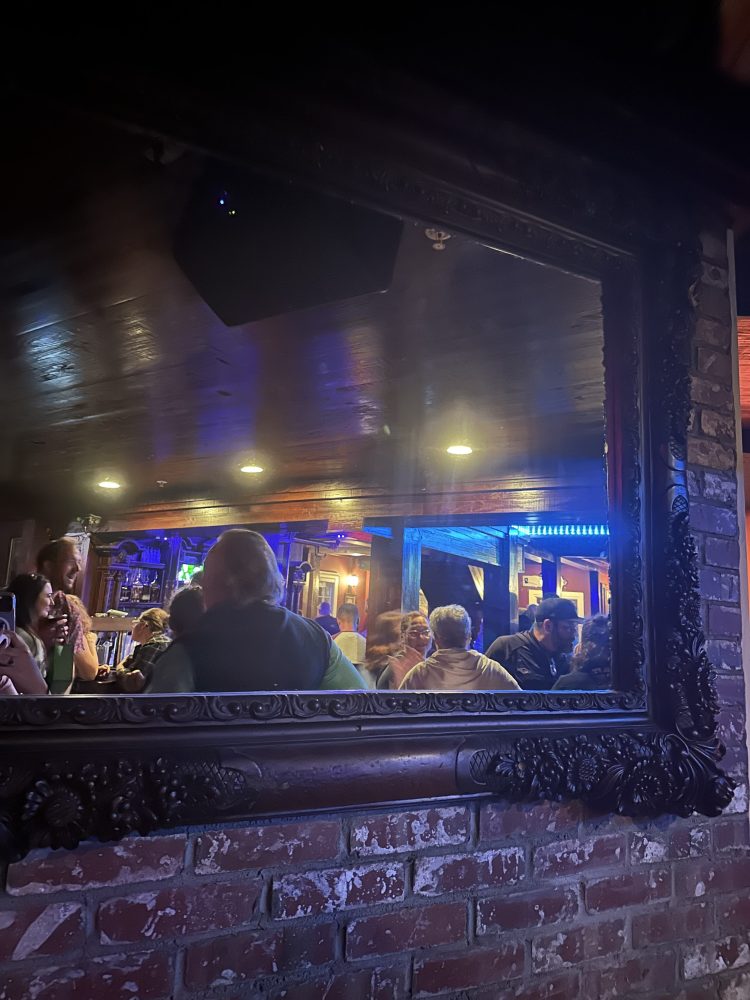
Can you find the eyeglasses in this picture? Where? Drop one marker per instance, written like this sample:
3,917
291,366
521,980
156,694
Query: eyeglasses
418,631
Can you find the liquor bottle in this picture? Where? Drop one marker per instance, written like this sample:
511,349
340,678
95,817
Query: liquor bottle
125,591
154,590
136,591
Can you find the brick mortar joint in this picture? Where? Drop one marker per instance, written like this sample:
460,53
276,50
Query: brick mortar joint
93,896
98,894
706,342
721,538
695,370
257,923
295,977
702,316
699,435
397,960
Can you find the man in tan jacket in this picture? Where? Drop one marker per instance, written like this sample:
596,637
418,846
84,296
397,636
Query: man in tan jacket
453,666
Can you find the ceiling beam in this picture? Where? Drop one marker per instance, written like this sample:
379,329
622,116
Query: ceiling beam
470,545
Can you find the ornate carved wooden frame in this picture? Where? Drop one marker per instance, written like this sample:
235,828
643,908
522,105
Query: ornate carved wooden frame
84,767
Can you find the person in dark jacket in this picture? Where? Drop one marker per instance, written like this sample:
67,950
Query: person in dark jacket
326,620
538,657
186,610
592,660
246,641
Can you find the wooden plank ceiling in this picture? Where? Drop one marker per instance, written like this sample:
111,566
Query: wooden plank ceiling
112,363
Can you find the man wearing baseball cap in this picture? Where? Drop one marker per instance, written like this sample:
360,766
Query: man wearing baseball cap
537,658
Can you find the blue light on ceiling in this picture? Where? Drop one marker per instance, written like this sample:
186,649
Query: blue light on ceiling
562,530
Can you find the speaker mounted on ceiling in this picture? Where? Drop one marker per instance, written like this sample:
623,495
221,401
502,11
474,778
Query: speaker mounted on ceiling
256,247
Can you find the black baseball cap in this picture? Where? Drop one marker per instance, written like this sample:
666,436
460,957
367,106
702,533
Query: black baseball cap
558,609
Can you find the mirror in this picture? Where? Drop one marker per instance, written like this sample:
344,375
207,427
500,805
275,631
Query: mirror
422,428
498,573
136,408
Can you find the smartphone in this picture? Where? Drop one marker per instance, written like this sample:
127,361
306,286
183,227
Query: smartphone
7,616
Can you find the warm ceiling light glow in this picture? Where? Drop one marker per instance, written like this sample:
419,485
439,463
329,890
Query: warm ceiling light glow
459,449
251,470
108,484
352,581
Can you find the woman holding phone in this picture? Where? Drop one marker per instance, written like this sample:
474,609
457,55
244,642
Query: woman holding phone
19,673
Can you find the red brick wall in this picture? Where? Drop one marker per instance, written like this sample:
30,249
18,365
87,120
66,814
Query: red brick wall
503,902
490,903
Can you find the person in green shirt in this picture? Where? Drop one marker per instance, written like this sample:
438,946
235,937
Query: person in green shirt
247,640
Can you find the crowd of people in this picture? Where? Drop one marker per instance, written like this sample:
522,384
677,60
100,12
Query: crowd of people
232,633
412,652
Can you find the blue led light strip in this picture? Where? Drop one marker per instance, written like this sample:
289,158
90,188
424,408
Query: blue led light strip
546,530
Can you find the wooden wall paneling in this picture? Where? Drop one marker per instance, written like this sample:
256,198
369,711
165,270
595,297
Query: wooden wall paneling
411,569
386,569
550,576
351,510
743,335
499,594
171,568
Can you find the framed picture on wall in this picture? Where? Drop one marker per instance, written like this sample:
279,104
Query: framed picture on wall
535,597
15,559
328,590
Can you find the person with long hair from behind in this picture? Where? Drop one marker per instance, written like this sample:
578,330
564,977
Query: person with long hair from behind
383,642
415,641
186,609
592,660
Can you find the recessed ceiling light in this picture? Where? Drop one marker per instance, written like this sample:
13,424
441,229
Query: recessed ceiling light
108,484
251,470
459,449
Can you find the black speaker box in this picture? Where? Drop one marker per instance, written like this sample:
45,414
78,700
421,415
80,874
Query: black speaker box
255,247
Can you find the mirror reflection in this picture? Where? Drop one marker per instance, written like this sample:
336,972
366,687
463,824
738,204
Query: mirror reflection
404,474
296,609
